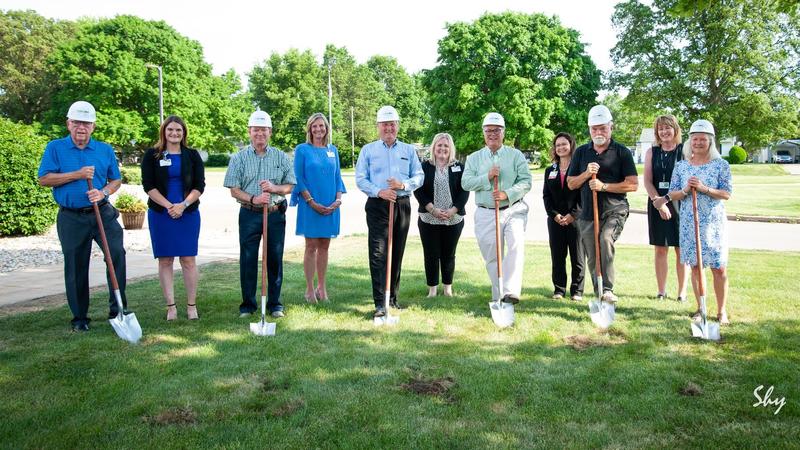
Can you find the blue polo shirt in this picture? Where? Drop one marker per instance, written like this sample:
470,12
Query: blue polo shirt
62,156
378,162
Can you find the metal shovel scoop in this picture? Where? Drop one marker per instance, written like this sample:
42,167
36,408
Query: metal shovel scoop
126,325
262,327
388,319
601,313
704,329
502,313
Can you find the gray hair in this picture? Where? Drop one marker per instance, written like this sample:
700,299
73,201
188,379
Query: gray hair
712,151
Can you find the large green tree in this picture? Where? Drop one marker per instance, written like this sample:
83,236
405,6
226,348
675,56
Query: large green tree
527,67
26,82
733,62
106,64
404,92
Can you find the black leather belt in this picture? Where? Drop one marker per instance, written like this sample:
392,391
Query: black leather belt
276,207
87,210
501,208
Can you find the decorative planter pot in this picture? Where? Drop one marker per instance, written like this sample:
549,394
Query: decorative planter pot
133,220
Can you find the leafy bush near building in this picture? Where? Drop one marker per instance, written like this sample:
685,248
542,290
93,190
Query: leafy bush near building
25,207
737,155
131,175
218,160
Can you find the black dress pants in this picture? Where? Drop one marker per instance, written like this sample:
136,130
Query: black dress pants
439,244
76,231
377,210
563,240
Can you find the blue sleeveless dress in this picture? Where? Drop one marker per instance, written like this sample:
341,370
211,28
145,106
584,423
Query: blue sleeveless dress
174,237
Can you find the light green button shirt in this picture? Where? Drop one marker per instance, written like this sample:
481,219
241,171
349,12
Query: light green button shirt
246,170
515,177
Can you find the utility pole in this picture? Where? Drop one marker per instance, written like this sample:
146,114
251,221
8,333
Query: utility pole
160,91
352,139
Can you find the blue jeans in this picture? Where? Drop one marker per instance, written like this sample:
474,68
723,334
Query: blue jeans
249,247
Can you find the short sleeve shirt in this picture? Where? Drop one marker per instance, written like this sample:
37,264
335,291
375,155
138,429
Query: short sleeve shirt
63,156
616,163
247,169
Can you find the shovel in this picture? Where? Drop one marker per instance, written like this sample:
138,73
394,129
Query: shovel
502,313
601,313
263,328
704,329
388,319
126,325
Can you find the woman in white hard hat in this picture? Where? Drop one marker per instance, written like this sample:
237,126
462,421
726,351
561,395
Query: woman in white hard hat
704,170
318,196
662,220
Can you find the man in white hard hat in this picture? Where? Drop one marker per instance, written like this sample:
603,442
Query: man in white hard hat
613,165
260,176
388,171
67,165
509,167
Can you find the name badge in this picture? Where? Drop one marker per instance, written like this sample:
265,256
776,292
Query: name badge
663,185
552,175
455,168
330,154
164,162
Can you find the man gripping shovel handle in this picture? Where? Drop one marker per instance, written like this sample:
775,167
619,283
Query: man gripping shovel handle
502,313
262,327
126,325
388,319
601,313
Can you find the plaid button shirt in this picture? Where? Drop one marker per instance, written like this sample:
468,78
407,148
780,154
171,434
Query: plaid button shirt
247,169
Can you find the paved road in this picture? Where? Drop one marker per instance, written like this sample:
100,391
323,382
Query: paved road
219,237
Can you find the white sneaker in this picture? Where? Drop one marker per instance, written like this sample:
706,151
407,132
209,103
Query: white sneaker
609,297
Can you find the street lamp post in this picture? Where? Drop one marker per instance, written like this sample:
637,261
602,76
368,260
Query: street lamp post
160,91
330,100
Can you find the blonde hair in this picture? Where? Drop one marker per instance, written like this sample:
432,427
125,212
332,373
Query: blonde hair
312,119
670,121
449,139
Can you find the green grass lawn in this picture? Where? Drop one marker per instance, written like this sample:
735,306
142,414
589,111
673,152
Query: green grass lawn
444,377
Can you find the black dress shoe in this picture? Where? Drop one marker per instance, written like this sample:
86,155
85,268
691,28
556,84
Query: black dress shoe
80,327
113,314
396,305
379,312
510,299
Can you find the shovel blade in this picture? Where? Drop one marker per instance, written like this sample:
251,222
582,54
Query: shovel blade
601,313
708,331
263,328
385,320
502,314
127,327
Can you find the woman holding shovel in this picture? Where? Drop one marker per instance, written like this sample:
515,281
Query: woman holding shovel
704,170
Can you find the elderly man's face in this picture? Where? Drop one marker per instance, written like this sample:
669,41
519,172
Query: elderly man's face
259,136
493,136
601,134
80,131
387,131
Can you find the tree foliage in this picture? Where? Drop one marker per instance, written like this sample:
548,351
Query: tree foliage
105,64
26,82
404,92
25,207
736,63
528,67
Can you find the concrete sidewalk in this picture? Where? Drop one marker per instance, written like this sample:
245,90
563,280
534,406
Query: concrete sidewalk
219,238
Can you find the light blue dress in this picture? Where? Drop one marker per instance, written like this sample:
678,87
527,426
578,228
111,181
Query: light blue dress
715,174
317,170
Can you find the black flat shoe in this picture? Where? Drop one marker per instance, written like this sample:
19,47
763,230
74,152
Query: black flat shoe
80,327
510,299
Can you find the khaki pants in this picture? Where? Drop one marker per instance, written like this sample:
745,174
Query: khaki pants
513,221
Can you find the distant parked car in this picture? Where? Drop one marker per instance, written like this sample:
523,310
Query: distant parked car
782,157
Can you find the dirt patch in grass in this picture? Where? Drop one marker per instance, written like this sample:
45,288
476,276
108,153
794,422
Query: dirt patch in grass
269,386
288,408
691,390
434,387
172,416
603,338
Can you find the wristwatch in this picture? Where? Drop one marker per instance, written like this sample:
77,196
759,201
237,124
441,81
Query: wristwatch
604,187
106,192
669,199
186,204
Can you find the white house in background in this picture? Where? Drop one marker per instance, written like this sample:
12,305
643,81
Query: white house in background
648,137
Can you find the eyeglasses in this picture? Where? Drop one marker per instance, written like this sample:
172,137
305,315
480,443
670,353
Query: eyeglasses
79,123
492,130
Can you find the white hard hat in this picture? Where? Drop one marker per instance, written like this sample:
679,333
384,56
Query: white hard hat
260,119
599,115
387,114
702,126
494,118
83,111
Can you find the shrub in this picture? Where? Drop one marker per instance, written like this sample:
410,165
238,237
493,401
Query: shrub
218,160
346,159
737,155
129,203
25,207
131,175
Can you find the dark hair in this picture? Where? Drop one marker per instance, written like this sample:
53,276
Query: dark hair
569,138
161,145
